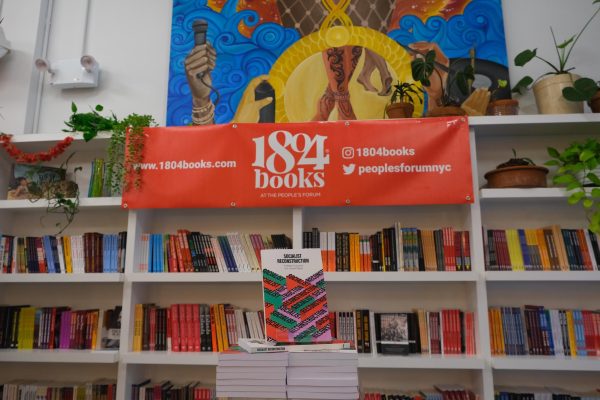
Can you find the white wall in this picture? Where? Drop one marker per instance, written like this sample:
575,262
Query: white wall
130,39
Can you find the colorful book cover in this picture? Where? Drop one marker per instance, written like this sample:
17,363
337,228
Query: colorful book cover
295,301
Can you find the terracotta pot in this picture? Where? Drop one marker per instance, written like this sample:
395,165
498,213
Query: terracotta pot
522,176
503,107
549,98
448,111
400,110
594,103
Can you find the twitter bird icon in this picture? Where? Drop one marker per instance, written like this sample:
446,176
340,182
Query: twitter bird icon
349,169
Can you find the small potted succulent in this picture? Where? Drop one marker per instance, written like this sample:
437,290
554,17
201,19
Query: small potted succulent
578,170
549,88
422,69
402,102
584,89
502,106
518,172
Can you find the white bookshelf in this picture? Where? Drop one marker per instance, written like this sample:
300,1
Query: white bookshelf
59,356
491,141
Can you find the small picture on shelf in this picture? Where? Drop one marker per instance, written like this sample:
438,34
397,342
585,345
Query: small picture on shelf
33,181
394,333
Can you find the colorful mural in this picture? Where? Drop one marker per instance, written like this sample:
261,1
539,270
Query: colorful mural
303,60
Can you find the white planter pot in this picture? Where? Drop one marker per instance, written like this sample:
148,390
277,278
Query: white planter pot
549,98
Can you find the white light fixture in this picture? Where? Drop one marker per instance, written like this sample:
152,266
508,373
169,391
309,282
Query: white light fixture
71,74
4,44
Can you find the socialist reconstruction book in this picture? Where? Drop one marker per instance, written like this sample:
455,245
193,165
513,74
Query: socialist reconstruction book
295,301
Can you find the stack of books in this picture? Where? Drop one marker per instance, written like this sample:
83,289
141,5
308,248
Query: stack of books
441,392
167,390
252,375
540,393
323,375
18,390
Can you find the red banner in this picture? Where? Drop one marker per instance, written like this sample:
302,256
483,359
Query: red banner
390,162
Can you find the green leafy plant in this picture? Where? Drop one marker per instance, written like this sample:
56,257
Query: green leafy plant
563,52
577,166
502,83
516,161
62,196
405,92
424,67
583,90
122,162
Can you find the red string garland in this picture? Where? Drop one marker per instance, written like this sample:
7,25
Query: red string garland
31,158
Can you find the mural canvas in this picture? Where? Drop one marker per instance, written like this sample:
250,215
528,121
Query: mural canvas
319,60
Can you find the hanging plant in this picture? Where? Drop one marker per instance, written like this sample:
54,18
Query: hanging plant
121,164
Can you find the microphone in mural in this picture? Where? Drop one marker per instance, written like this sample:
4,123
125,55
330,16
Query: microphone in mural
198,67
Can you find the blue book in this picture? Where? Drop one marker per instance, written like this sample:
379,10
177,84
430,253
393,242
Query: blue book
161,253
579,333
548,324
105,256
48,254
227,254
115,253
151,253
525,250
518,316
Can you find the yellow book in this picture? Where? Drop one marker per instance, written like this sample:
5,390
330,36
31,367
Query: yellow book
351,250
67,250
137,327
514,251
218,327
26,328
571,330
223,322
357,252
531,240
500,329
546,265
94,317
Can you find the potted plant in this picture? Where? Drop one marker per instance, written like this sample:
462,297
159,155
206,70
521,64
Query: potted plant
502,106
422,69
548,89
402,102
578,171
518,172
584,89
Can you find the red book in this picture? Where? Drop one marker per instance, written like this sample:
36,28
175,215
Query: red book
189,328
175,333
449,256
183,336
169,341
596,318
585,251
196,326
172,254
588,329
40,255
186,254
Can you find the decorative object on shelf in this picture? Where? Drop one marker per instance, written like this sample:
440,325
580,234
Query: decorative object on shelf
123,156
578,169
502,106
403,100
422,69
517,173
477,103
549,90
72,73
31,158
584,89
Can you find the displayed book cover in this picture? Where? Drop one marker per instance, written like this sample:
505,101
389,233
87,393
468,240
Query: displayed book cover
295,300
391,331
111,332
29,181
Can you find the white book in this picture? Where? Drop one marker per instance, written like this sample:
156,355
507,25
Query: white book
260,346
324,363
317,387
590,249
347,381
254,363
299,394
61,254
235,383
252,253
254,330
280,373
326,348
311,371
14,264
142,261
241,369
556,333
324,355
240,325
218,254
243,395
251,388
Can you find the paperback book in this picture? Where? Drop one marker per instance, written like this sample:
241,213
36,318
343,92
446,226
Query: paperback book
295,301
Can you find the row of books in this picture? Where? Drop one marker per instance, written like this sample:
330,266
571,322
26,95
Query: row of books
420,332
393,249
440,392
502,393
90,252
535,330
26,328
188,251
547,249
193,327
148,390
100,390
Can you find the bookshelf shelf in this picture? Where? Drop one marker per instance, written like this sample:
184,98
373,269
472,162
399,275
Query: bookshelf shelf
535,124
170,358
60,356
62,278
542,276
341,277
421,362
84,203
538,194
208,277
547,363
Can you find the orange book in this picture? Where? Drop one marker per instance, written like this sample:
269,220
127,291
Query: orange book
499,331
546,265
368,258
223,324
94,317
585,251
357,252
331,251
351,250
218,328
563,261
492,328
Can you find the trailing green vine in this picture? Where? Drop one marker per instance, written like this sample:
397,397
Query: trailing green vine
122,158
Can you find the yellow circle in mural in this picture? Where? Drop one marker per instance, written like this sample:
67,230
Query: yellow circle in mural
300,73
337,36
